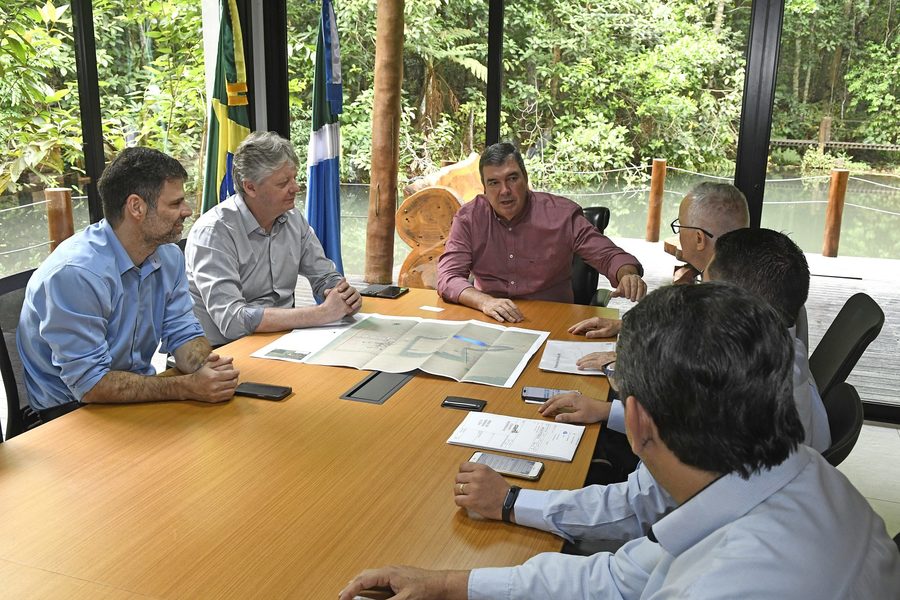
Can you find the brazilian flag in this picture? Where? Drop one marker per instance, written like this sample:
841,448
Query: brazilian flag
229,120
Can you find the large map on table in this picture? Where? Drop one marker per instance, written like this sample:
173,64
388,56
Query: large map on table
469,351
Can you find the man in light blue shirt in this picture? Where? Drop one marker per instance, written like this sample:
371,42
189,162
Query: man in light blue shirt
758,515
98,307
767,263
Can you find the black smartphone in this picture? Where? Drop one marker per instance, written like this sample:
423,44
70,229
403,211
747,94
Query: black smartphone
378,290
262,390
464,403
392,291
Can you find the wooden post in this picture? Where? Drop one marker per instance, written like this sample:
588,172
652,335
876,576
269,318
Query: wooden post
60,224
835,211
385,141
824,133
654,210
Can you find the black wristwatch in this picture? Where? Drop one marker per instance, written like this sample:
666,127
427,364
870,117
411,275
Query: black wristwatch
510,501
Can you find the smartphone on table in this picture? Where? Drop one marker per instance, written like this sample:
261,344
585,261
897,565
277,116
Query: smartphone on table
384,291
264,391
507,465
539,395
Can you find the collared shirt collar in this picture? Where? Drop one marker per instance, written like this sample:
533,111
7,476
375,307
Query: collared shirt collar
722,502
248,221
123,261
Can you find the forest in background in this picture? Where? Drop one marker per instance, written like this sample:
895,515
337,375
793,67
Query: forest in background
588,86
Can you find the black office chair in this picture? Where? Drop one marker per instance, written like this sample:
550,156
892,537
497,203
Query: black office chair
12,296
584,276
897,540
853,329
845,420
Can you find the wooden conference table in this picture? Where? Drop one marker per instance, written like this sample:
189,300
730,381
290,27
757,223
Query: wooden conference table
258,499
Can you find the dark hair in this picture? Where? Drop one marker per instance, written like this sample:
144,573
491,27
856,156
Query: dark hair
712,366
141,171
497,154
767,263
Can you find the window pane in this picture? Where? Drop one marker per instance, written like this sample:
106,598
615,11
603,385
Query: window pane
152,90
443,105
836,106
40,140
594,88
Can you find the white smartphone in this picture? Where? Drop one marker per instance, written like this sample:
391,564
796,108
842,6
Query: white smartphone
506,465
539,395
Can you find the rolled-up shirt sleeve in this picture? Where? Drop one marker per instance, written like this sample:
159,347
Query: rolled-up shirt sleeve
74,326
179,323
455,263
599,251
215,268
620,511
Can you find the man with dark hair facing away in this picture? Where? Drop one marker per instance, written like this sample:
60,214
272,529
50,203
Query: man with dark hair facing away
704,371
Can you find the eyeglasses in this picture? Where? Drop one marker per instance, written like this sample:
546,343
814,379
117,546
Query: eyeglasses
676,226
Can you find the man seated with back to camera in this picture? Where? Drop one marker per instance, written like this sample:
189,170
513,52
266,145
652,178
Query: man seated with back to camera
244,255
755,508
518,243
96,309
767,263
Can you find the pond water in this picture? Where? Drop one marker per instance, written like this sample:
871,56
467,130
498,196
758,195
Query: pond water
871,220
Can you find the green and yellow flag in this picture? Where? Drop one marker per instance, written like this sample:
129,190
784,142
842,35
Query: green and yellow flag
229,120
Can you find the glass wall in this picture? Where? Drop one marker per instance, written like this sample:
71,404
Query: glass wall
152,82
836,106
443,98
40,139
594,91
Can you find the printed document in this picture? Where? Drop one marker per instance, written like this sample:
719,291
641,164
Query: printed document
531,437
562,356
300,343
470,351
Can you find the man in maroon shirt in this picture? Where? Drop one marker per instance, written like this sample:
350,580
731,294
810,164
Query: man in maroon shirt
518,243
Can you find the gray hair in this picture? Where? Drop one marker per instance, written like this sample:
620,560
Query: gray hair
718,207
259,155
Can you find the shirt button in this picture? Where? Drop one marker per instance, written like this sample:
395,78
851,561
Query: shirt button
510,255
509,228
512,283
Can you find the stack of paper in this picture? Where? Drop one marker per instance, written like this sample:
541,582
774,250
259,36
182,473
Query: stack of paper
531,437
562,356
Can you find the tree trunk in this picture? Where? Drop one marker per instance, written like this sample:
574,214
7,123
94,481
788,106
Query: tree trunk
720,16
554,79
798,57
806,83
835,74
385,141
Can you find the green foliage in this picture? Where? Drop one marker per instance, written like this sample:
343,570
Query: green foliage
588,86
41,130
785,157
150,63
815,162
